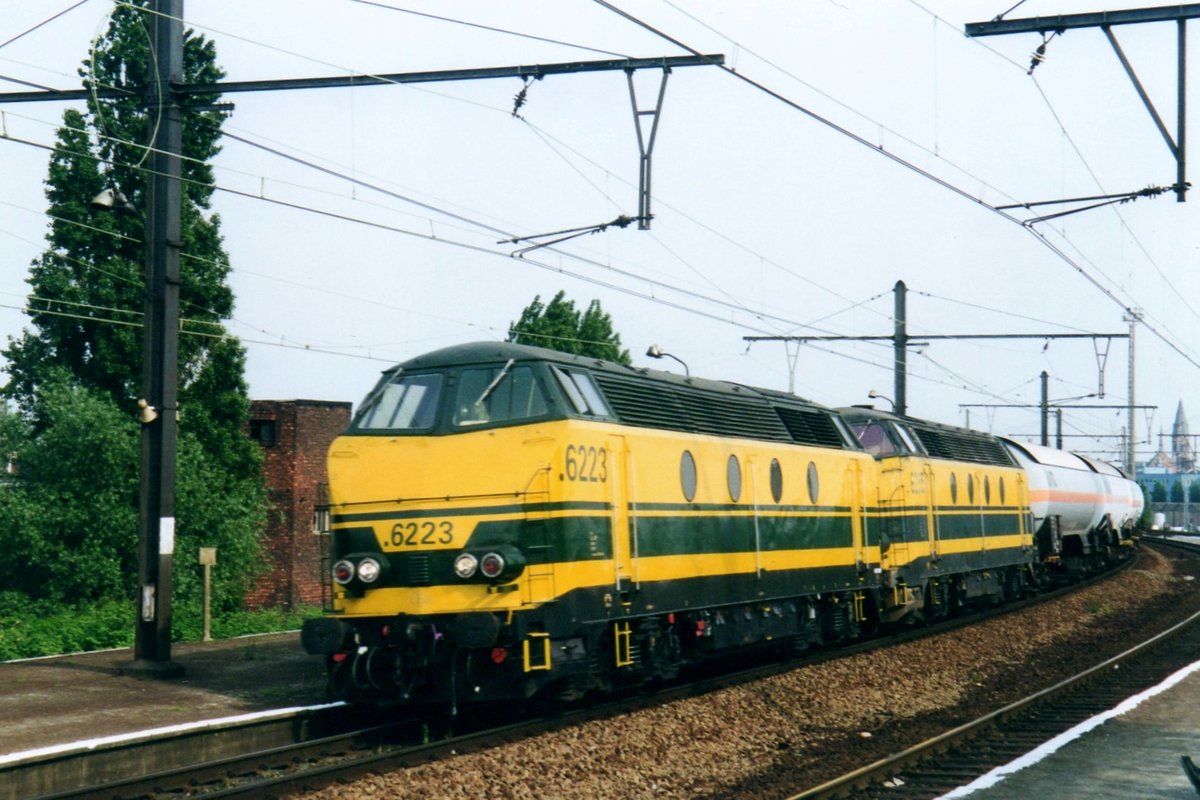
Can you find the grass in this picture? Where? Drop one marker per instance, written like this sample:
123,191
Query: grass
30,629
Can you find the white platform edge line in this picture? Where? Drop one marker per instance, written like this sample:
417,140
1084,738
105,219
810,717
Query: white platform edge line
1042,751
152,733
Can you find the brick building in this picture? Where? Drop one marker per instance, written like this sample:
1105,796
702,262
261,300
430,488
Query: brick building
295,436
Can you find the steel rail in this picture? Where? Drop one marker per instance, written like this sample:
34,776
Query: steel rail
292,775
896,763
311,763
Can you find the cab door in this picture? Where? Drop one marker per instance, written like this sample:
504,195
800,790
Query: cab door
622,523
537,540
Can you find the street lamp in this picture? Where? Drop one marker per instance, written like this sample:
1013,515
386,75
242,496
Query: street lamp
654,351
874,394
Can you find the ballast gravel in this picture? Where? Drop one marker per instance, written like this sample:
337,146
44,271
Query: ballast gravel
778,736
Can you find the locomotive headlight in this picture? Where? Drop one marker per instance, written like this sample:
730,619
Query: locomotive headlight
368,570
465,565
343,572
491,565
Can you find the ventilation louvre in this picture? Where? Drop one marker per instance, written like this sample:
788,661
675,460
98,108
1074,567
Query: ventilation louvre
695,410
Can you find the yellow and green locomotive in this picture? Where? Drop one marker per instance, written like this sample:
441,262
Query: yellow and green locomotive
508,521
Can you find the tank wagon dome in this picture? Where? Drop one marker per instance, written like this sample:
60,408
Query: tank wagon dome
1048,456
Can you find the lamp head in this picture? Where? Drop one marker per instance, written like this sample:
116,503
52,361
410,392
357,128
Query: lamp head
654,351
146,412
112,200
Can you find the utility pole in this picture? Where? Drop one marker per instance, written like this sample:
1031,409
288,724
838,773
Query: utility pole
900,348
901,341
160,348
1058,407
1045,409
1131,460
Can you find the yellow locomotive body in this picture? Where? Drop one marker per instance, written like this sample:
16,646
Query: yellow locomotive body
951,514
508,520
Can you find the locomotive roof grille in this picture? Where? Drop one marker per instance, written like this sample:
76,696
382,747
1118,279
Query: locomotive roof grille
682,408
810,427
962,446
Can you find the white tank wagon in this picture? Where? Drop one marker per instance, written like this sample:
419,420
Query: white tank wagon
1083,510
1123,498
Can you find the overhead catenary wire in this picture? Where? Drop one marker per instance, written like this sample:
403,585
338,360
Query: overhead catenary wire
42,24
484,250
924,173
489,28
483,106
638,276
542,134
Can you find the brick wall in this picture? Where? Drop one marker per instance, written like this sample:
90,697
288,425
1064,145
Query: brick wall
295,436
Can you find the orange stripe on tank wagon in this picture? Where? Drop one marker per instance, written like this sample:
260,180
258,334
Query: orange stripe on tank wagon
1042,495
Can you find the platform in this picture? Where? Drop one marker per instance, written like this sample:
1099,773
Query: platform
53,701
1132,751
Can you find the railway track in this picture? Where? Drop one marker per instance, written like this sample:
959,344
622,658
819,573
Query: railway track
958,756
330,747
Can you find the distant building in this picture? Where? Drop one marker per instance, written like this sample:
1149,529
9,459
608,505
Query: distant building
1181,443
295,436
1173,469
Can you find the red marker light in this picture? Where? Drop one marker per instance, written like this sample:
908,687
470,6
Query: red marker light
499,654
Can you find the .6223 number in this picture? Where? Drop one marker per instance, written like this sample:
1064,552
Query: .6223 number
428,532
587,463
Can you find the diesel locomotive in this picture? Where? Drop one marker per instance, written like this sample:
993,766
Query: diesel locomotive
509,521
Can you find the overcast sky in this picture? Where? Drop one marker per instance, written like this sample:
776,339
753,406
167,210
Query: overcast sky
767,220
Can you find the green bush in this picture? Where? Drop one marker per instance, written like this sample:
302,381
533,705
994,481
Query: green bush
40,628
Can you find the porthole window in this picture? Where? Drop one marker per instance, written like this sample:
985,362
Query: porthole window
687,475
776,480
953,488
733,472
1001,490
814,483
970,488
987,490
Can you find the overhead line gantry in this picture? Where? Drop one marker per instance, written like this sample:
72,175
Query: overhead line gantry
1105,20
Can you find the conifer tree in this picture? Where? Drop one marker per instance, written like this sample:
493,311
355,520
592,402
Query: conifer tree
87,295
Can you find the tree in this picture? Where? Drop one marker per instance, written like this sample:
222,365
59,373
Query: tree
560,326
83,351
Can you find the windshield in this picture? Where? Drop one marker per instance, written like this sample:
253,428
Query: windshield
408,402
492,395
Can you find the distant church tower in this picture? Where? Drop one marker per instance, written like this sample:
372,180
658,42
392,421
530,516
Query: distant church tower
1181,442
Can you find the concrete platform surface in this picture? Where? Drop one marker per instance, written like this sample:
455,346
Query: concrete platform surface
1131,752
52,701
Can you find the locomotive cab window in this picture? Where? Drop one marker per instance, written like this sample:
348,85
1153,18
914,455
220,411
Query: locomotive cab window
498,394
582,392
875,438
906,438
408,402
